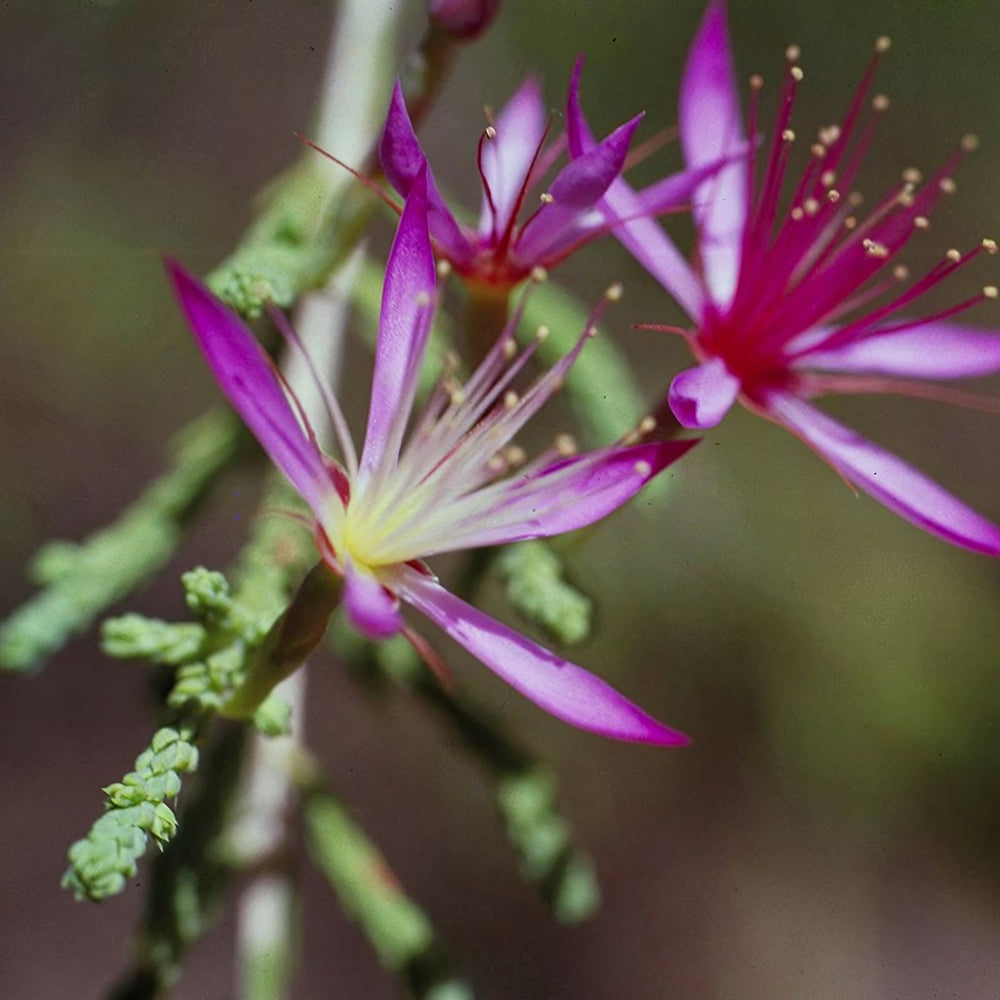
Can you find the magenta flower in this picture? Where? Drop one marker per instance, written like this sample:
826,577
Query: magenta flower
793,298
501,251
445,486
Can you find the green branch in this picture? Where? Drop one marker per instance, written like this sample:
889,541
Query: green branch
80,581
399,931
524,791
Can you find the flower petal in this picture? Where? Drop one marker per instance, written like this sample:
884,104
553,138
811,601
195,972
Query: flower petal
642,236
507,158
710,127
932,350
586,177
404,326
370,608
568,494
887,478
561,688
402,160
250,381
700,397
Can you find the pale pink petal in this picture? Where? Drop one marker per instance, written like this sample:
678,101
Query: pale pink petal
507,157
711,127
404,325
561,688
934,350
569,494
369,607
249,380
643,237
700,397
402,160
886,477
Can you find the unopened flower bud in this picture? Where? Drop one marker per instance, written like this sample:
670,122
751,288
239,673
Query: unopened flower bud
463,18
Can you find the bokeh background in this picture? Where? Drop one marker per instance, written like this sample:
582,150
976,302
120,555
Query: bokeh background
832,831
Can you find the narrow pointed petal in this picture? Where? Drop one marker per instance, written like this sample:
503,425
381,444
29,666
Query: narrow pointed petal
561,688
889,479
934,350
643,237
370,608
402,159
586,177
567,495
248,378
700,397
507,158
404,325
711,126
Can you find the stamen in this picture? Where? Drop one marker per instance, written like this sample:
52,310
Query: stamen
788,135
490,132
829,135
515,455
912,176
647,425
901,272
947,185
880,102
990,246
954,255
644,469
990,291
509,349
539,274
510,399
875,249
545,198
614,292
565,444
756,82
542,333
797,75
969,143
443,268
921,222
882,44
792,53
828,178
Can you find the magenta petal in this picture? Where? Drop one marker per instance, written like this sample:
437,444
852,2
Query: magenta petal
402,160
248,378
586,177
700,397
561,688
643,237
370,608
568,494
404,325
507,158
711,127
887,478
933,350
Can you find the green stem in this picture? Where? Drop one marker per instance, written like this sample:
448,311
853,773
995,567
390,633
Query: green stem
399,931
298,631
486,313
81,581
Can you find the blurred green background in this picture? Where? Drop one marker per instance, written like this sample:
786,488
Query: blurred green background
831,832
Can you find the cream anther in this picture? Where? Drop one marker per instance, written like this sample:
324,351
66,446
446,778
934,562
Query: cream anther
644,469
565,444
921,222
509,348
828,178
796,74
875,249
490,132
756,81
443,268
901,272
969,142
538,274
954,255
788,135
614,292
792,53
880,102
990,246
423,299
882,44
545,198
990,291
510,399
542,333
948,185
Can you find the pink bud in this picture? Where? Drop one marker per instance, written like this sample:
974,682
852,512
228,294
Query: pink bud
463,18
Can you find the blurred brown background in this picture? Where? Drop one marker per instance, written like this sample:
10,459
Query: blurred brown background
832,831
